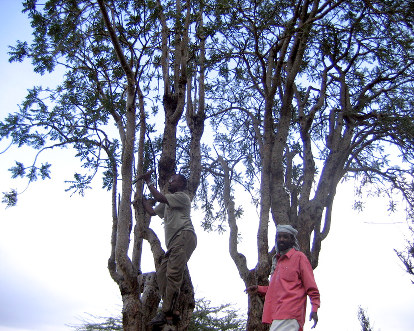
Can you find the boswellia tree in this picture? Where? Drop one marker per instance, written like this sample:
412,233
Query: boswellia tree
299,96
115,54
312,92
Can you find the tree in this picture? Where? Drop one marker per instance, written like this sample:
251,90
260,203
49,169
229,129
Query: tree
114,55
310,93
300,95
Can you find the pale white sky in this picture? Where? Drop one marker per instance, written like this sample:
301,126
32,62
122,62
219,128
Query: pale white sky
54,248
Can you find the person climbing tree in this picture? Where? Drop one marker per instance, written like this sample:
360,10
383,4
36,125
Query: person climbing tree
180,239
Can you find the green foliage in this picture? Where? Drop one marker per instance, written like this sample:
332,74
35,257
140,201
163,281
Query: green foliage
358,59
406,256
80,184
204,318
364,320
208,318
83,109
20,171
96,323
10,198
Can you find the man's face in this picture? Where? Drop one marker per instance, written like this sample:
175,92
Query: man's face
284,241
174,184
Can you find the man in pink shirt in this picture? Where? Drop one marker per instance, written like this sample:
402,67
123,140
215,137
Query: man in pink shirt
291,282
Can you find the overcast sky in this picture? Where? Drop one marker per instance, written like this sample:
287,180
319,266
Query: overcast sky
54,247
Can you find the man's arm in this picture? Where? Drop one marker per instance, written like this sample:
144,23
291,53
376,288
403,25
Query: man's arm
256,289
311,288
148,206
155,193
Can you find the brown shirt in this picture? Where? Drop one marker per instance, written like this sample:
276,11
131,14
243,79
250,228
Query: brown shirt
176,215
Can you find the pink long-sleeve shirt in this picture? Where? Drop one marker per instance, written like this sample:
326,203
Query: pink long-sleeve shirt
290,283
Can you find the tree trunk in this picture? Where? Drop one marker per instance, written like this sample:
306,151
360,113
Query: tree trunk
150,299
254,313
255,304
138,309
131,312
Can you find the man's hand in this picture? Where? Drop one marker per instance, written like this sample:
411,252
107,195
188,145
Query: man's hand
146,176
251,289
152,201
314,316
148,206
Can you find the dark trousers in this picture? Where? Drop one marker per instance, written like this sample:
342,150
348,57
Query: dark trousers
171,271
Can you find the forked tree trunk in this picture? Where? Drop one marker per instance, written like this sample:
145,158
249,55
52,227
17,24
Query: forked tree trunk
140,293
139,308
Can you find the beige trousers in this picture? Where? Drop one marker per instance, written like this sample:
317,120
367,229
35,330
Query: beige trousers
171,271
284,325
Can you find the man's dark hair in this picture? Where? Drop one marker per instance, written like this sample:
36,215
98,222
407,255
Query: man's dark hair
183,180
